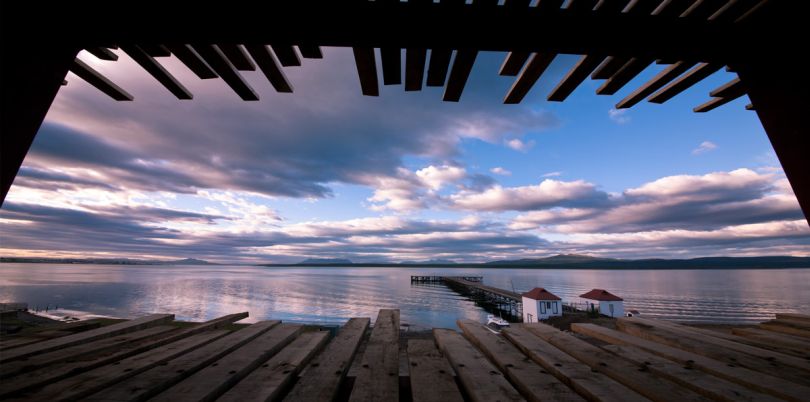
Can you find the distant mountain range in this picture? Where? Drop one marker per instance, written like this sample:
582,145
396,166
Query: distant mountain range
577,261
105,261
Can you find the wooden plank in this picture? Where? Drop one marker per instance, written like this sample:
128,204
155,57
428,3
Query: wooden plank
286,55
791,316
513,63
82,385
575,77
734,88
713,104
593,386
34,335
462,66
216,60
99,81
437,69
378,379
749,106
643,382
760,4
78,351
193,61
366,70
629,71
269,66
155,50
661,79
785,329
157,71
391,60
481,380
750,379
53,373
703,383
531,380
309,51
789,322
641,7
269,381
102,53
609,66
237,56
794,344
414,69
581,6
537,66
692,77
322,378
212,381
754,358
430,374
87,336
702,9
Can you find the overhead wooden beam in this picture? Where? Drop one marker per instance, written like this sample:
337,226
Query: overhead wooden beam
214,57
609,66
286,55
661,79
537,65
550,6
269,66
391,60
513,63
155,50
747,16
629,71
102,53
192,60
575,77
309,51
99,81
702,9
641,7
437,69
672,8
237,56
156,70
366,70
462,65
734,87
581,6
692,77
749,107
414,69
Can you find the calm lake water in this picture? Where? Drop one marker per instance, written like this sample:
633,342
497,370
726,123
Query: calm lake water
332,295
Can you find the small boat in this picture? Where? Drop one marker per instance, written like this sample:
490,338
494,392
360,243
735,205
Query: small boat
496,324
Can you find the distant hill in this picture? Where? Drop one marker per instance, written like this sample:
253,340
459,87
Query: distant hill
553,260
325,261
104,261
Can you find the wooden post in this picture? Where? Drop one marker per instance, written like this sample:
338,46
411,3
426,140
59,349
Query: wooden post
30,77
775,89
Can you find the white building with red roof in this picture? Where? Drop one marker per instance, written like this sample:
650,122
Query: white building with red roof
608,303
540,304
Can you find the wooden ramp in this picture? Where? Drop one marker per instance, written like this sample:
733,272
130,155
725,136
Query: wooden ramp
153,358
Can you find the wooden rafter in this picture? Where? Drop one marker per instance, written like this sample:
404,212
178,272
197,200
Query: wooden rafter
414,68
437,69
391,60
692,77
216,59
157,71
286,55
462,65
629,71
661,79
269,66
575,76
237,56
193,61
366,70
513,63
102,53
99,81
537,65
310,51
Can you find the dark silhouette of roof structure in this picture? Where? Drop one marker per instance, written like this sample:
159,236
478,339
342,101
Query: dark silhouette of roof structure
616,41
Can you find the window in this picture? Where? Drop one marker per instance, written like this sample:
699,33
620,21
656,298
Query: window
529,318
555,307
548,305
542,308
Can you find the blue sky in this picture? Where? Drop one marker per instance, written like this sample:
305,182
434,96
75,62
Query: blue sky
326,172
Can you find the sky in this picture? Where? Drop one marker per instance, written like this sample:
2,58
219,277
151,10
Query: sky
328,173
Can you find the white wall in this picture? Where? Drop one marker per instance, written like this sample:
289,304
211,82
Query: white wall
616,311
536,310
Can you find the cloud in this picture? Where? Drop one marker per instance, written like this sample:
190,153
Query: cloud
704,147
500,171
519,145
553,174
549,193
619,116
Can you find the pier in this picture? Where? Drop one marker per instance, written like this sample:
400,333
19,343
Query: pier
503,300
156,358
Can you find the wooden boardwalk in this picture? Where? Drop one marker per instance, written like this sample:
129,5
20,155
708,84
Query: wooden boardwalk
154,358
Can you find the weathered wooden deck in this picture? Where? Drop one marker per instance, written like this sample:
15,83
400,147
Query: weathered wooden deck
154,358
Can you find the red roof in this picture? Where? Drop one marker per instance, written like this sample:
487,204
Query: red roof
540,294
601,295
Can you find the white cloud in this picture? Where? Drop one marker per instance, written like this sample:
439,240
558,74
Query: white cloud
519,145
548,193
500,171
552,174
435,177
619,116
704,147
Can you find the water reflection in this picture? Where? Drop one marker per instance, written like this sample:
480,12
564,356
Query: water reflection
332,295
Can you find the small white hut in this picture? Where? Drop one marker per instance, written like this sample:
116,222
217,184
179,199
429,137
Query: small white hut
609,304
540,304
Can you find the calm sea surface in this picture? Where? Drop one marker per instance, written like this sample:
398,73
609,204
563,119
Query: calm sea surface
332,295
